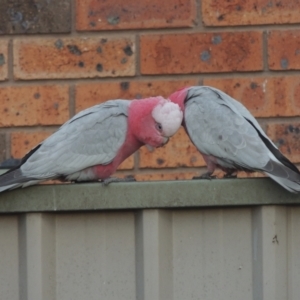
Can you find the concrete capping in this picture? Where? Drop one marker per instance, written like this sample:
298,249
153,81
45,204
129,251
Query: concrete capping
140,195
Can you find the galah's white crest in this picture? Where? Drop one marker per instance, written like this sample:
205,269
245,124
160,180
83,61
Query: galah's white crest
92,144
229,137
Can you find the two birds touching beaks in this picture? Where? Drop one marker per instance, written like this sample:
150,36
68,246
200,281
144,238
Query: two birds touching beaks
91,145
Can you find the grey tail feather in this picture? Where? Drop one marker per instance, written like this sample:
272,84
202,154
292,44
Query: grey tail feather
289,185
283,175
9,187
284,160
12,179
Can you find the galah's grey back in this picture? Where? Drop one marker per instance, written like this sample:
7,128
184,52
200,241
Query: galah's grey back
223,128
92,137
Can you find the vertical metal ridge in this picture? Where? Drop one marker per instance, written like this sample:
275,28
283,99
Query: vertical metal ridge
37,257
22,239
270,267
157,255
293,257
139,255
257,254
9,258
165,254
48,243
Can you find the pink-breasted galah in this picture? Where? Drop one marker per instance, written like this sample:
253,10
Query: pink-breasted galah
229,137
92,144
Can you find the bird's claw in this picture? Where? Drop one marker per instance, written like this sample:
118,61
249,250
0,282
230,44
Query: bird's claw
205,176
109,180
229,175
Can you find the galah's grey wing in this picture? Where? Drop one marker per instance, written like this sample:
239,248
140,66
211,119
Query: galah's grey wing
90,138
222,127
218,130
239,108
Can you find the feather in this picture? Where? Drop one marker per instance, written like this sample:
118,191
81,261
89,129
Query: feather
91,137
222,128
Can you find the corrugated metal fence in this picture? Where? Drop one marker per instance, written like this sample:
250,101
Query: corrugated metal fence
236,252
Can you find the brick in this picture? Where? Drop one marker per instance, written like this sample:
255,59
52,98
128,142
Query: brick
201,52
242,174
263,96
39,16
132,14
34,105
3,59
89,94
284,50
287,137
127,164
179,152
182,175
250,12
23,142
73,58
188,175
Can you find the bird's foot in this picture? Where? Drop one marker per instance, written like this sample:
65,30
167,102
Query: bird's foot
207,175
229,175
109,180
82,182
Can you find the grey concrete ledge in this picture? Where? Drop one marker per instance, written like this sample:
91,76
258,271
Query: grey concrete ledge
139,195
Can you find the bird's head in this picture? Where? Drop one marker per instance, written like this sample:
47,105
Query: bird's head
179,97
154,120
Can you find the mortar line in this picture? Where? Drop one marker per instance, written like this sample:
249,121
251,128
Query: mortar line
136,160
138,55
10,62
265,51
7,145
171,30
72,100
155,77
199,20
73,18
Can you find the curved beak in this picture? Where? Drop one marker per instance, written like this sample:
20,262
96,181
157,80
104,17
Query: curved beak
166,139
150,148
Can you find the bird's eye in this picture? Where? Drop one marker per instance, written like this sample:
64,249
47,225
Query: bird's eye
158,126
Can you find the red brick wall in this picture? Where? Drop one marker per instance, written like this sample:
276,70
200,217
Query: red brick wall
61,56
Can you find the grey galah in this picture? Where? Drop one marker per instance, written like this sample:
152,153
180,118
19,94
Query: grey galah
94,142
229,137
